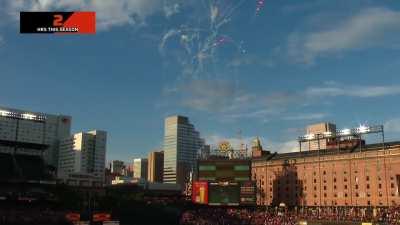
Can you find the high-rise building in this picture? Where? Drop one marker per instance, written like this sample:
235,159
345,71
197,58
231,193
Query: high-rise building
25,132
129,169
82,158
140,168
181,145
316,129
117,167
155,167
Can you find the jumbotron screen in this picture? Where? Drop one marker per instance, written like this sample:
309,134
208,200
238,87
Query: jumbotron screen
224,194
236,170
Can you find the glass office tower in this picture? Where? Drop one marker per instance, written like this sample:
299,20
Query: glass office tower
181,145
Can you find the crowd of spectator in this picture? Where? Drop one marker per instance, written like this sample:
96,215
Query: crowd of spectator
32,216
280,216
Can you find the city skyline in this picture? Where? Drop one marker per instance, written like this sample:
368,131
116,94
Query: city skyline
298,63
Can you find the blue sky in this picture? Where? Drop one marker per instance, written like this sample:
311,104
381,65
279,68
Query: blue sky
220,63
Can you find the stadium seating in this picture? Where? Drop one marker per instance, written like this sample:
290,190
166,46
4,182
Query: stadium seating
31,166
22,167
6,167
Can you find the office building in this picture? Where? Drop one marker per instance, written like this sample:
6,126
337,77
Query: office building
317,129
181,145
82,158
25,132
140,168
155,167
117,167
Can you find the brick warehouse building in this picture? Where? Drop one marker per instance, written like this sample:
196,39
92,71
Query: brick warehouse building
348,175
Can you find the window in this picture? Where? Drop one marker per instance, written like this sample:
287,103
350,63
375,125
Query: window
345,186
380,186
367,178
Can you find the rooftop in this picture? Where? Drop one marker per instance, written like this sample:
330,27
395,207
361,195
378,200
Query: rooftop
324,152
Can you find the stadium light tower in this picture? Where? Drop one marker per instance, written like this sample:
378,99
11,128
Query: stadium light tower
354,132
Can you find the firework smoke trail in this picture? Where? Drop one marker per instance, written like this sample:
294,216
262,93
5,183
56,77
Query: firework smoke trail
201,44
259,5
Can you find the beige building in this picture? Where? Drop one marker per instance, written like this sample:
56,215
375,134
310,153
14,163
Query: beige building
182,143
140,168
155,167
82,159
317,129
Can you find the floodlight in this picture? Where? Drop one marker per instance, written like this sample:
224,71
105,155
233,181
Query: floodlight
363,129
345,132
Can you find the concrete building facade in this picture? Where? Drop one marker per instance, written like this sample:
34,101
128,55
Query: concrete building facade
140,168
117,167
82,158
155,167
182,143
26,132
316,129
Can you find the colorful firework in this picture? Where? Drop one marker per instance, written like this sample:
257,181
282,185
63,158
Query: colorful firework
259,5
201,43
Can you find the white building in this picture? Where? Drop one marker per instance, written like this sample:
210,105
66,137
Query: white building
140,168
181,145
82,158
25,132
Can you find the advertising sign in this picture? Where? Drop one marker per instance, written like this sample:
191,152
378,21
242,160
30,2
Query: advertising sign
200,192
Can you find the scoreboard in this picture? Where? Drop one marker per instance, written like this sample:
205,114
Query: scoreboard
224,194
224,182
224,170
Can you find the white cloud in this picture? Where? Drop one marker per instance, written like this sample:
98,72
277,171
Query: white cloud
392,125
283,147
371,27
311,116
235,142
230,103
280,147
353,91
109,13
171,9
208,95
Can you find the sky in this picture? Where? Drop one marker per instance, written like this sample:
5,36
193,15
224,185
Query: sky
237,68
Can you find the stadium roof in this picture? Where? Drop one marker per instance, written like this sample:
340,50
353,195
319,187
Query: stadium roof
324,152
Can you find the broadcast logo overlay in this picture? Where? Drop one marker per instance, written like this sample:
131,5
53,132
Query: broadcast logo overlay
58,22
